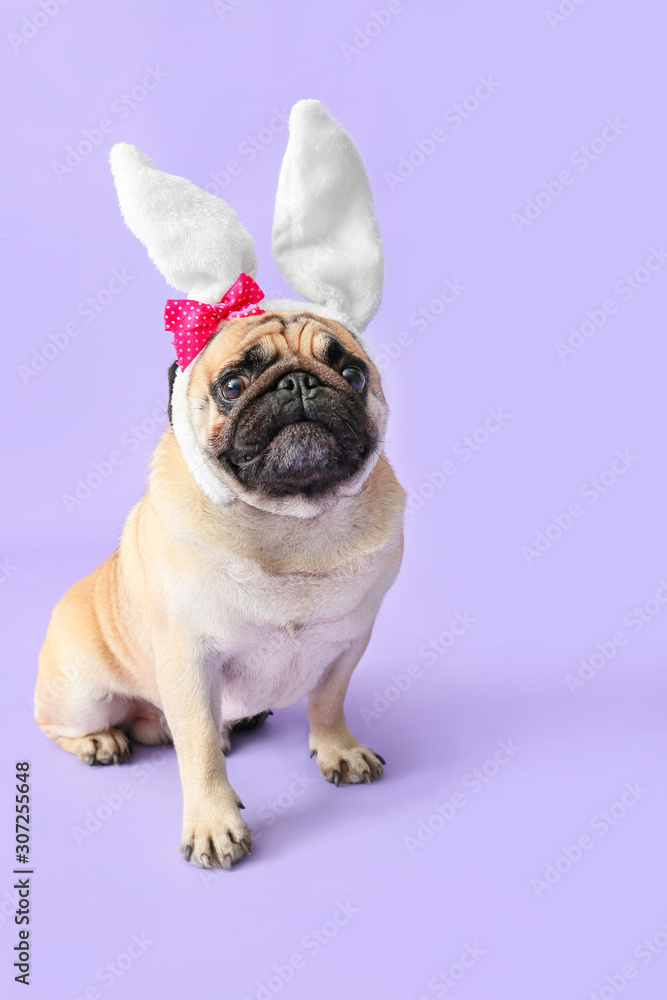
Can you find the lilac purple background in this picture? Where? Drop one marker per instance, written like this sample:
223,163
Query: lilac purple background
495,346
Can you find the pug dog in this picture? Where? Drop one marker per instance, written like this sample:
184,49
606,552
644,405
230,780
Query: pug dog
250,574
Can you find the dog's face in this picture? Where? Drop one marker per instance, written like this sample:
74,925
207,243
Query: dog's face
288,410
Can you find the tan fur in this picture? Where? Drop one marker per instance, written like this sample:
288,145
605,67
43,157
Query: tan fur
207,613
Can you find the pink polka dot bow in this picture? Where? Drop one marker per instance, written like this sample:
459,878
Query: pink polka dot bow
194,323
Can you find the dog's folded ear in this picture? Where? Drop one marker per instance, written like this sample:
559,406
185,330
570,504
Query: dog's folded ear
195,240
326,239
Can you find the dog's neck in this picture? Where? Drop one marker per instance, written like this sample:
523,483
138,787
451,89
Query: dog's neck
353,528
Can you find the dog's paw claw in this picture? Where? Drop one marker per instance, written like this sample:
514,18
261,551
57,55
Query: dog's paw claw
354,765
109,747
214,835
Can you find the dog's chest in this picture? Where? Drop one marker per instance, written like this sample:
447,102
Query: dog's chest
275,634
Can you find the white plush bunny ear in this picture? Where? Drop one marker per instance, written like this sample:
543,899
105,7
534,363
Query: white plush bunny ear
194,239
326,239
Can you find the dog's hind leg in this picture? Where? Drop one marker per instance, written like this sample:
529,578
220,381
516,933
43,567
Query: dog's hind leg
78,701
148,725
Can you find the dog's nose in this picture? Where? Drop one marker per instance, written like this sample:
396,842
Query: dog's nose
298,383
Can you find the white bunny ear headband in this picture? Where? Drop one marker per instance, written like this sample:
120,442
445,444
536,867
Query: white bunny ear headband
325,237
325,240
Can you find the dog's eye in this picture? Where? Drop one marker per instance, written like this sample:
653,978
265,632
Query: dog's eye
355,377
234,386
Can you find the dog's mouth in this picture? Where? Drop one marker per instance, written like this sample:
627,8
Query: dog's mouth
281,436
307,446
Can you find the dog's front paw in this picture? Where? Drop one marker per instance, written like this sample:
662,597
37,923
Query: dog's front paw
214,835
339,762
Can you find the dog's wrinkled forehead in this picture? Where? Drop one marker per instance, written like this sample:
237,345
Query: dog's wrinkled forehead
258,342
